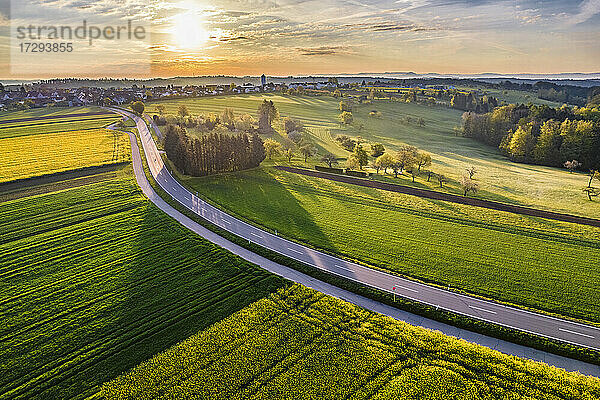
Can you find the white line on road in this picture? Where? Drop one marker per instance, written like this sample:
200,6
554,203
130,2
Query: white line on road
344,268
409,289
482,309
294,250
227,222
252,233
576,333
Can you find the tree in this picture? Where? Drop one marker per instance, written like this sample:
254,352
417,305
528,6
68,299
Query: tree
267,113
228,118
161,109
345,106
272,148
183,111
522,144
423,160
377,150
593,175
138,107
337,93
307,151
396,167
468,185
441,180
384,161
406,157
289,153
572,165
352,162
414,173
471,171
291,125
547,148
591,192
346,117
329,159
232,86
346,142
361,156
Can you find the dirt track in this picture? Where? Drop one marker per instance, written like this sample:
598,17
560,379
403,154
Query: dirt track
431,194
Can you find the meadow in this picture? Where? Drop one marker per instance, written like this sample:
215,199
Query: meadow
532,262
46,153
95,280
299,343
499,179
46,112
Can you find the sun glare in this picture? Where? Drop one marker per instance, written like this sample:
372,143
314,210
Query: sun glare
188,30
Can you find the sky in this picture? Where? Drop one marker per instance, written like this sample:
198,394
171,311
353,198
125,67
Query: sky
307,37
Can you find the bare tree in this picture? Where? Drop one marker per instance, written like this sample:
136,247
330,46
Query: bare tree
572,165
468,185
329,159
441,180
289,154
591,192
471,171
307,151
414,172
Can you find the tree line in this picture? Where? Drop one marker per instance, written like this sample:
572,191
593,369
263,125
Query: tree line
213,152
540,134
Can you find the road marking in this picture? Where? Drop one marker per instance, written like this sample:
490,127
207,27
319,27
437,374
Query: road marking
409,289
576,333
482,309
174,188
252,233
295,251
227,222
344,268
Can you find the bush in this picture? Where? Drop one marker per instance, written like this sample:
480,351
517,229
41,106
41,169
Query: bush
359,174
330,170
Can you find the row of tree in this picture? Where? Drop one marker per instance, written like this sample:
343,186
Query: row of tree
539,134
212,153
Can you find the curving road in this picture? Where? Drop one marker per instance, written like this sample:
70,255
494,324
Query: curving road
519,319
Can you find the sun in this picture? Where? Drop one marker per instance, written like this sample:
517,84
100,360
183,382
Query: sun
188,30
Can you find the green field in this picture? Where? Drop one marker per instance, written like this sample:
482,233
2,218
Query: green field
498,178
95,280
533,262
300,344
46,111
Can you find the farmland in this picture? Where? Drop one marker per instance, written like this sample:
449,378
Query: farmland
512,258
95,280
52,121
499,179
302,344
33,155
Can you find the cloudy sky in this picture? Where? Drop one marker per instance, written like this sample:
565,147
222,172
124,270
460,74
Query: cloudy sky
291,37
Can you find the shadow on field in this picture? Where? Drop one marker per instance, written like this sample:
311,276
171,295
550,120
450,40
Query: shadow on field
259,197
116,285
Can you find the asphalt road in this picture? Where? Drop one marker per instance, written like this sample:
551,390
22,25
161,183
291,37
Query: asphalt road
519,319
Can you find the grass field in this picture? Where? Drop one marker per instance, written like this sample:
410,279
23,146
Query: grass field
533,262
95,280
46,111
499,179
302,344
28,156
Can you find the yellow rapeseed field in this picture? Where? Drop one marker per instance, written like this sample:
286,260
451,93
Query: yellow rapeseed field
34,155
